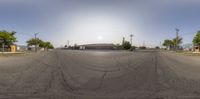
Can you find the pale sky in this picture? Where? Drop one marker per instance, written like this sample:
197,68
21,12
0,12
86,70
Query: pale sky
100,21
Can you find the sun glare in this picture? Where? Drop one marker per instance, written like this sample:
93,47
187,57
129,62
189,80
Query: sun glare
96,28
99,37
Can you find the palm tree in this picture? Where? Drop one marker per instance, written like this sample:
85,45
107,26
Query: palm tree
177,41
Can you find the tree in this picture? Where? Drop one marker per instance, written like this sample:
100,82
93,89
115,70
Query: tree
126,45
75,47
157,47
142,47
40,43
177,41
46,45
174,43
196,39
7,38
51,46
118,46
168,43
34,41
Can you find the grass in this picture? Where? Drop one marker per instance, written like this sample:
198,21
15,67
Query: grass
186,53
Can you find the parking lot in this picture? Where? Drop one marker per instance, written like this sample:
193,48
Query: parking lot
65,74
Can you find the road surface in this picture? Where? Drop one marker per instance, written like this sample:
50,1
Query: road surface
62,74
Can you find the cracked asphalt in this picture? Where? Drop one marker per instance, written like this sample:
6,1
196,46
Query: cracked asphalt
65,74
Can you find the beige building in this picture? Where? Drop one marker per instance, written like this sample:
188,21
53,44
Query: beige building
13,48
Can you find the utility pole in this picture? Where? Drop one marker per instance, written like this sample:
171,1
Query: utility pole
123,40
131,36
36,41
177,35
67,43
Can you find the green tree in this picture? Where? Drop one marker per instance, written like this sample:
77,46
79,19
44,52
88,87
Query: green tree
34,41
46,45
177,41
40,43
118,46
8,38
196,39
168,43
75,47
51,46
126,45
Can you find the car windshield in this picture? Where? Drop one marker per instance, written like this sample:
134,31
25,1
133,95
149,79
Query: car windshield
99,49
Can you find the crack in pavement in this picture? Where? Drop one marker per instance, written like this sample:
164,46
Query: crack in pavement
102,80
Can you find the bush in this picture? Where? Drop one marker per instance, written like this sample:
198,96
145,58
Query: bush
118,47
126,45
157,47
142,47
132,48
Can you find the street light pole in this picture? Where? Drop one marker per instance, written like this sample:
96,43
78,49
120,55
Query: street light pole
36,41
131,38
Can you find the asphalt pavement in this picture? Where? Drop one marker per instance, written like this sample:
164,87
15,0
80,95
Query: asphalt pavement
65,74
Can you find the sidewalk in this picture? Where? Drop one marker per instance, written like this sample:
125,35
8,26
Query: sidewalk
7,54
11,52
